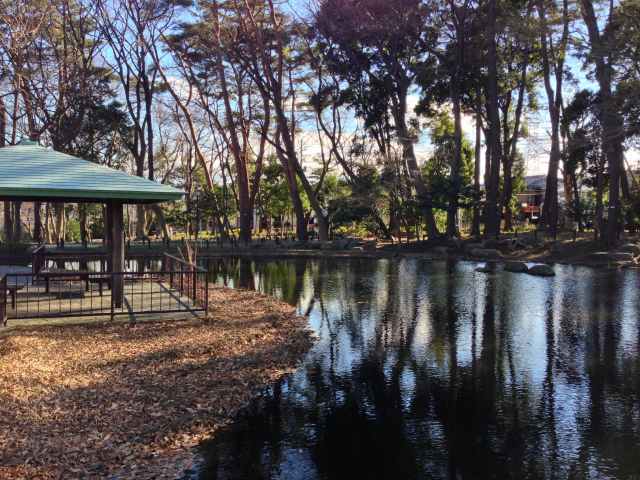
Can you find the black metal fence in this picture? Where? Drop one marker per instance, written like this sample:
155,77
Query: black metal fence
188,279
178,287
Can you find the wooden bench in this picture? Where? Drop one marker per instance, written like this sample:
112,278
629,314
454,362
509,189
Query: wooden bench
100,280
72,276
59,274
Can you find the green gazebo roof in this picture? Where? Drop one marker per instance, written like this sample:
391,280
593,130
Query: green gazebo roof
29,171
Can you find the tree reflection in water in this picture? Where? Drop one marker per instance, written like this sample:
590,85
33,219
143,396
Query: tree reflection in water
432,370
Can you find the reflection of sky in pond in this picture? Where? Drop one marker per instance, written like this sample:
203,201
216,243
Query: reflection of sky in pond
433,370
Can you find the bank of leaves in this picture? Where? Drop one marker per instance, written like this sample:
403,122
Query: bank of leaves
129,400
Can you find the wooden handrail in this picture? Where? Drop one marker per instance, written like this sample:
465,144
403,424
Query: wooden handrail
183,262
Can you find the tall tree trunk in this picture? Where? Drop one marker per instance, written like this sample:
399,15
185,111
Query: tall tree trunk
3,123
549,217
3,139
492,210
58,209
456,181
452,208
159,214
576,201
409,157
141,222
475,224
569,193
238,152
37,222
245,211
507,172
599,220
293,164
275,81
382,227
8,222
148,100
612,125
17,221
48,224
554,100
82,214
394,221
511,143
294,194
624,182
512,147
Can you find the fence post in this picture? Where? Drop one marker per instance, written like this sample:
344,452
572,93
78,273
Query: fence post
181,279
113,314
194,279
3,301
206,291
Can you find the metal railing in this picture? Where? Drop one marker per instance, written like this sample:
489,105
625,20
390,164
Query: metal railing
50,294
187,278
3,301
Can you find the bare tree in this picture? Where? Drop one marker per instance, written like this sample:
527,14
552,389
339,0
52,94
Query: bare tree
266,53
600,53
21,24
129,27
553,49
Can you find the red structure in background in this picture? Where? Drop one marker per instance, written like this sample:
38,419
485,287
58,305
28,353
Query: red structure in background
530,204
531,200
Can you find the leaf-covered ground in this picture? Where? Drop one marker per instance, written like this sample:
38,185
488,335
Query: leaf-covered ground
127,401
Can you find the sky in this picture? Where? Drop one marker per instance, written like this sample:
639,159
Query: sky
535,148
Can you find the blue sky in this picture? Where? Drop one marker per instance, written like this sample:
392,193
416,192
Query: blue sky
535,148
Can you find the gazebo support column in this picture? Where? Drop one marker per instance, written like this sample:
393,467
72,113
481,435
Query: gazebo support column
117,251
106,244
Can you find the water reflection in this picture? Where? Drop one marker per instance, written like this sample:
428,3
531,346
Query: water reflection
432,370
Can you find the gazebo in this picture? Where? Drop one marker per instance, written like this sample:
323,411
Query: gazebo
30,172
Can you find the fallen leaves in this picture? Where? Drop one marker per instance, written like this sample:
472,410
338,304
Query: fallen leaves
128,401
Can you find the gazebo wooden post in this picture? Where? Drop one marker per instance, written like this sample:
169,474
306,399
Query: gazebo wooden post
106,243
117,252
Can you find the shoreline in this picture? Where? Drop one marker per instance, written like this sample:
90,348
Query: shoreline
526,247
427,254
134,400
548,258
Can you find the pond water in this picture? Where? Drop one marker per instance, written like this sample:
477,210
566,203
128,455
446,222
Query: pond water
429,369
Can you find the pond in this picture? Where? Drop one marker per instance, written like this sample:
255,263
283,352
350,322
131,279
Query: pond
429,369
